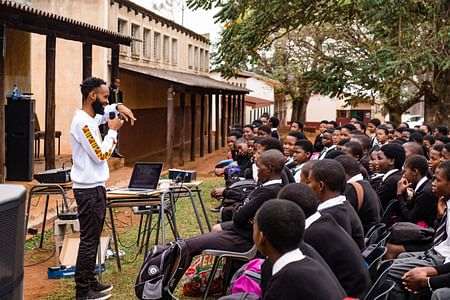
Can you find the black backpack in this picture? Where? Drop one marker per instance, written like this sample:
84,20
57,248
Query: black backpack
162,269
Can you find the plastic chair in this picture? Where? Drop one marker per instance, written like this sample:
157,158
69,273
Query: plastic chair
376,235
380,291
374,228
381,287
373,260
383,239
219,255
386,218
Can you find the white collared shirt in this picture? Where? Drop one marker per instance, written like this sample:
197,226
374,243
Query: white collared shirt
270,182
287,258
356,178
289,160
331,202
420,183
255,172
297,172
444,247
311,219
325,151
388,173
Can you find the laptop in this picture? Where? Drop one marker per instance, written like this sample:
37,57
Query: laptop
144,179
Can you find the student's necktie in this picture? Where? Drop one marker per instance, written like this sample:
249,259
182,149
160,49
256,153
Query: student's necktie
441,231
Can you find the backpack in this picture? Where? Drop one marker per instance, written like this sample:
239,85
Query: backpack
248,278
197,275
163,267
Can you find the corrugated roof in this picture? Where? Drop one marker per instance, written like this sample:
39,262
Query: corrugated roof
186,79
158,18
16,11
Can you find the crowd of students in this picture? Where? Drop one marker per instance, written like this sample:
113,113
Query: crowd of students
308,206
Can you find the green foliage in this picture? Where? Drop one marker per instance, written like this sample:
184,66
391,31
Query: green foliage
361,49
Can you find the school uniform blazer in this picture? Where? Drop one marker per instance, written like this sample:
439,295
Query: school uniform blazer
422,206
442,280
307,250
243,214
346,216
370,212
387,190
341,254
304,279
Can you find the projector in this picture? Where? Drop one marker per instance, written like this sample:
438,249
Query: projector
182,175
53,176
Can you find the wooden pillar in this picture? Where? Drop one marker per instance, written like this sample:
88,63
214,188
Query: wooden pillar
50,104
170,127
216,137
2,102
202,124
193,119
233,109
209,123
229,114
115,62
238,109
182,126
87,60
243,109
223,120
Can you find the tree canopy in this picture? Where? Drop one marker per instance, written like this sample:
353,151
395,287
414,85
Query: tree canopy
362,49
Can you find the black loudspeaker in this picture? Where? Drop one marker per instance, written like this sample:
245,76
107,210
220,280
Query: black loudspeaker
19,139
12,237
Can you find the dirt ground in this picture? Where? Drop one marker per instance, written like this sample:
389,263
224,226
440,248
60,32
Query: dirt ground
36,284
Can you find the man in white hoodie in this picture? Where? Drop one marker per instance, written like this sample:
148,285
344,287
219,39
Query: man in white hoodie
89,173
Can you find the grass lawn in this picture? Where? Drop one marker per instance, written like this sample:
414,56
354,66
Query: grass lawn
124,281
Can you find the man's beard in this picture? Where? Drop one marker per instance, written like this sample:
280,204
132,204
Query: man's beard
99,109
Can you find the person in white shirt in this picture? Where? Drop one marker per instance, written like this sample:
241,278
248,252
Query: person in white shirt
303,150
89,173
409,265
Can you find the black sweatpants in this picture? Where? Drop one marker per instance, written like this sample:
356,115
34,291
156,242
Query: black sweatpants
91,204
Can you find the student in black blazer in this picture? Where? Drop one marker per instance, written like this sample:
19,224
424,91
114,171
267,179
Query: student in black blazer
360,194
329,239
327,180
390,162
420,209
277,231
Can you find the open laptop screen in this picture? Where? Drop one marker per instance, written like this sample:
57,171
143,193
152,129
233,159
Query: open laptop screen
145,175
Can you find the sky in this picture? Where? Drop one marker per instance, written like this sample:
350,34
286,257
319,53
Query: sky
200,21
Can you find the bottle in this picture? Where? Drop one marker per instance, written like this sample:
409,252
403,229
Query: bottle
15,93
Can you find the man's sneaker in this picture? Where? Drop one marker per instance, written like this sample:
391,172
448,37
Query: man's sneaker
101,288
91,295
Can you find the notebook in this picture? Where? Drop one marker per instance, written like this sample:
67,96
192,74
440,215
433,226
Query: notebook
144,179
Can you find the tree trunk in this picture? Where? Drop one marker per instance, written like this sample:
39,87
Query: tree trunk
395,116
299,108
437,109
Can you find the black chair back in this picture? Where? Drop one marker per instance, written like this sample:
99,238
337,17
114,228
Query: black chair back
373,260
380,291
388,216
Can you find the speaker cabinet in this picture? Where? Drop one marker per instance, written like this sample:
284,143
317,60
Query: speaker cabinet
19,139
12,237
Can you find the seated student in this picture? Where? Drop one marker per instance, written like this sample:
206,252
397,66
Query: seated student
297,126
390,161
273,124
336,135
364,141
372,129
264,131
327,180
327,142
303,150
419,208
265,144
318,146
288,147
247,132
428,142
355,150
382,135
375,177
277,232
445,152
304,174
236,235
336,247
360,193
256,124
232,137
346,131
435,157
440,131
412,148
437,255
